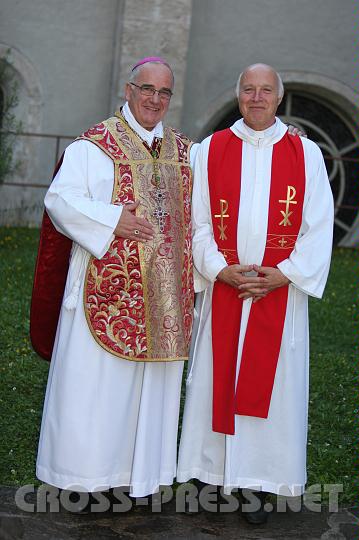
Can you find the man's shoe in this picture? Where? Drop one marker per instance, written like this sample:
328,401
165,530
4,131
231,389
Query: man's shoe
78,503
190,509
257,499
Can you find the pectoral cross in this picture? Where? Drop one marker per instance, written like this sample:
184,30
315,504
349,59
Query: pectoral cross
160,213
222,227
291,193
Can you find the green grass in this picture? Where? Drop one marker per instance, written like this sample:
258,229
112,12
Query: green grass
23,374
333,402
332,431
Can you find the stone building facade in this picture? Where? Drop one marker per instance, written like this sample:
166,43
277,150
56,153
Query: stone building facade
72,59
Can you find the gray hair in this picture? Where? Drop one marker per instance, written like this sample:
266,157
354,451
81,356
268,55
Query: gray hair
279,80
134,73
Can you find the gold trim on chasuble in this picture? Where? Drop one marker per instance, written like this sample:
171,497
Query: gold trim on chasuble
145,310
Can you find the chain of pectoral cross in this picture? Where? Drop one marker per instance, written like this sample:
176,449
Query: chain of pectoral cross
159,212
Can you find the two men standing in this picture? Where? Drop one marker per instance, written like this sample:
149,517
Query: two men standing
262,218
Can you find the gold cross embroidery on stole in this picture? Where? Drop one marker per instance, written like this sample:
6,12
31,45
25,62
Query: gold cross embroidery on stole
291,193
222,227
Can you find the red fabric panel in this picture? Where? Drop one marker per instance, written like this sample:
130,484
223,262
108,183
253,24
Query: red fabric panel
49,283
224,175
226,321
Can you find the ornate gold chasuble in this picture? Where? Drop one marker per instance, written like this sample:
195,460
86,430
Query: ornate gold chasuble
138,298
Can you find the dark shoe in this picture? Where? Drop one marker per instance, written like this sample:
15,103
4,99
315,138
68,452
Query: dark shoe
193,509
208,501
256,499
199,485
77,503
196,508
98,502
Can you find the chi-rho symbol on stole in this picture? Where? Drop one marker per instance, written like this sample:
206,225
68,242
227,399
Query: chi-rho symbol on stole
222,227
291,193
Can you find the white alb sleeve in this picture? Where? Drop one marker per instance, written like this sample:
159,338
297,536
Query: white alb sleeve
208,260
79,198
308,265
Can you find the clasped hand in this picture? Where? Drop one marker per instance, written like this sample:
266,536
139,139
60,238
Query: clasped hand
132,227
255,287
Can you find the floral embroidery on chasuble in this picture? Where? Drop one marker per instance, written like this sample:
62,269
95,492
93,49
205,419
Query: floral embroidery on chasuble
138,298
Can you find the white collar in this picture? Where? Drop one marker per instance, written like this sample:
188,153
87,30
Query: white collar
266,137
143,133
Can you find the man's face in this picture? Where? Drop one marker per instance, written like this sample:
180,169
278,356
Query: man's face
258,97
149,110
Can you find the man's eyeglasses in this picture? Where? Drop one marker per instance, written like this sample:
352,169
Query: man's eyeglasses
149,91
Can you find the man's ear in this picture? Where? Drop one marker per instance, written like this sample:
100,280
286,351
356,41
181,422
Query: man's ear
280,100
127,91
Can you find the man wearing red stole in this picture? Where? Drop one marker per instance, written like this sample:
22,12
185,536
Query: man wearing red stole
120,201
262,212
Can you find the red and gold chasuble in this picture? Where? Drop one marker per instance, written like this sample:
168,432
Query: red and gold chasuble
138,297
251,394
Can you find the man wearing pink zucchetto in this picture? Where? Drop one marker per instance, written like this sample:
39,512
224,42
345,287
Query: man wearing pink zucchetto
120,201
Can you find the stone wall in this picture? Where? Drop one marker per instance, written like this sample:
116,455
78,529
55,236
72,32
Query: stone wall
62,55
156,28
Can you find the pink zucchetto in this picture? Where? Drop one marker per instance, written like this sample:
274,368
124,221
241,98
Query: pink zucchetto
150,59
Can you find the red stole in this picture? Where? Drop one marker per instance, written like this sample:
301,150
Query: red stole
252,394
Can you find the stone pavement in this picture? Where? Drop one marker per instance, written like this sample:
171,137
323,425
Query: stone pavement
143,523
